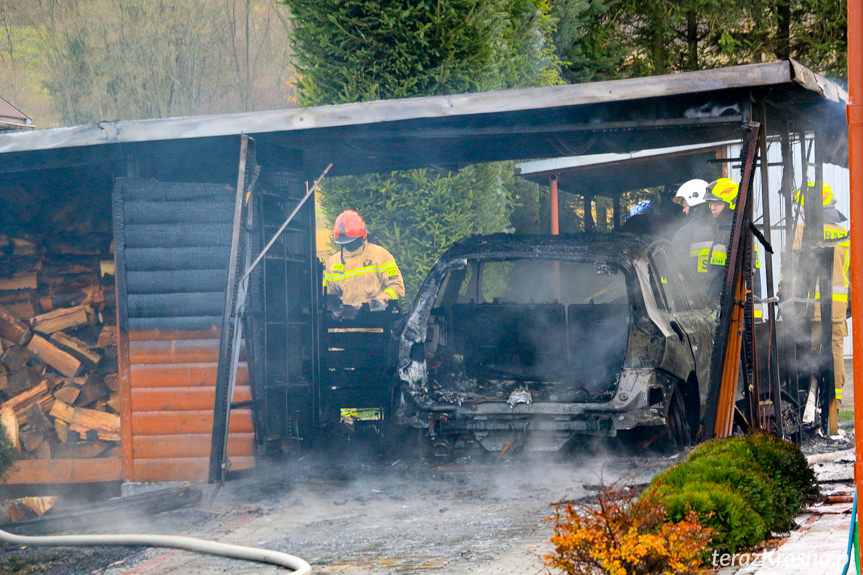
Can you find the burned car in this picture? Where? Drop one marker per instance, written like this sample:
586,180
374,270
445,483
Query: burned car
529,342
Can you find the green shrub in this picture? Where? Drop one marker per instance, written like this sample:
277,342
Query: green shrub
736,525
743,488
780,460
743,476
783,461
7,452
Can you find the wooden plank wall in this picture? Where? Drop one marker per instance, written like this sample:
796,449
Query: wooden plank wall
172,242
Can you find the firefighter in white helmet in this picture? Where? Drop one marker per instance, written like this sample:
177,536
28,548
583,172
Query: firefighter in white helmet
693,240
361,272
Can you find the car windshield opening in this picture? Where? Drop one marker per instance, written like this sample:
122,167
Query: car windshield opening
542,322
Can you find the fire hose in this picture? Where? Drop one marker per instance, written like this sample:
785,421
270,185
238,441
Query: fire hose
299,566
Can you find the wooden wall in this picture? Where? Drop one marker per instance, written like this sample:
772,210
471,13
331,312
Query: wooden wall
172,248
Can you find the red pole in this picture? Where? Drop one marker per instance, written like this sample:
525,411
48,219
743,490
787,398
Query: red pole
555,221
855,166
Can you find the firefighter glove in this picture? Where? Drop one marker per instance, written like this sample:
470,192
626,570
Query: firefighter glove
377,305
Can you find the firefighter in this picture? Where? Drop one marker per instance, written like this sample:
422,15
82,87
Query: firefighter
693,240
361,272
838,236
721,197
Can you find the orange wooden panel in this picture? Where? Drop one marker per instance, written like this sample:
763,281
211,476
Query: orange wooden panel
182,375
189,445
174,351
182,469
182,422
181,398
35,471
173,334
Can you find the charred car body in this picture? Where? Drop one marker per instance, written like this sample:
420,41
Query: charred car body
534,340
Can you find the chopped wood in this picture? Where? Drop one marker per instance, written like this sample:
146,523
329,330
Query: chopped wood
107,268
49,287
15,358
14,329
67,393
20,280
60,360
44,451
82,420
36,419
39,505
22,402
60,319
61,428
20,380
92,391
112,381
10,425
23,310
107,337
31,440
77,348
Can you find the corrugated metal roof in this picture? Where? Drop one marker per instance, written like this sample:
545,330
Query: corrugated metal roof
12,116
452,131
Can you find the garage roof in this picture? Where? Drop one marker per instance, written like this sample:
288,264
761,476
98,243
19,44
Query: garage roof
451,131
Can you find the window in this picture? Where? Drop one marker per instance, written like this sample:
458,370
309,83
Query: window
539,280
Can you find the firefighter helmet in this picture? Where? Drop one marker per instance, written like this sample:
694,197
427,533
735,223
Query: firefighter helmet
349,226
691,192
826,194
723,190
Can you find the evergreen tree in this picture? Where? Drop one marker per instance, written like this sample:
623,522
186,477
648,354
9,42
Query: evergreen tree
359,50
606,39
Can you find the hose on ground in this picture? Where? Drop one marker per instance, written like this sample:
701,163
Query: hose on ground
299,566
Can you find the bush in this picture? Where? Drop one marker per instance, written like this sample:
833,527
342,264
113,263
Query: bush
7,452
734,523
622,534
742,487
746,478
780,460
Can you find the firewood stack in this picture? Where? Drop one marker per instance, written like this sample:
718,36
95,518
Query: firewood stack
58,346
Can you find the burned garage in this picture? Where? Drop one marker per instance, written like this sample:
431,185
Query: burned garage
163,311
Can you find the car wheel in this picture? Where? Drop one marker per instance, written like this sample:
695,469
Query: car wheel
678,431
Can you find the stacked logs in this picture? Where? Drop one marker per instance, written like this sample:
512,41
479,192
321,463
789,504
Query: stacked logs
58,349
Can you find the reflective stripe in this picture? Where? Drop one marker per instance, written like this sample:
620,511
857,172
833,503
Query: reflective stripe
757,313
717,258
353,273
840,294
834,234
838,393
391,292
390,268
700,251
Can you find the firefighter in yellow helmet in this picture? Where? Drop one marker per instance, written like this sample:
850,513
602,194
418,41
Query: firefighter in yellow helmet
721,198
361,272
837,235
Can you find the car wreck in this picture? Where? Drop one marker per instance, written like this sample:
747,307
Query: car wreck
528,342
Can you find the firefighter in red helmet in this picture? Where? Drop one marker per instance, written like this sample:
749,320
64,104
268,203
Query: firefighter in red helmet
361,272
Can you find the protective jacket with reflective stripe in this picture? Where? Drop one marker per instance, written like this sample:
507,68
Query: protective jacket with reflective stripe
841,263
364,274
693,240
